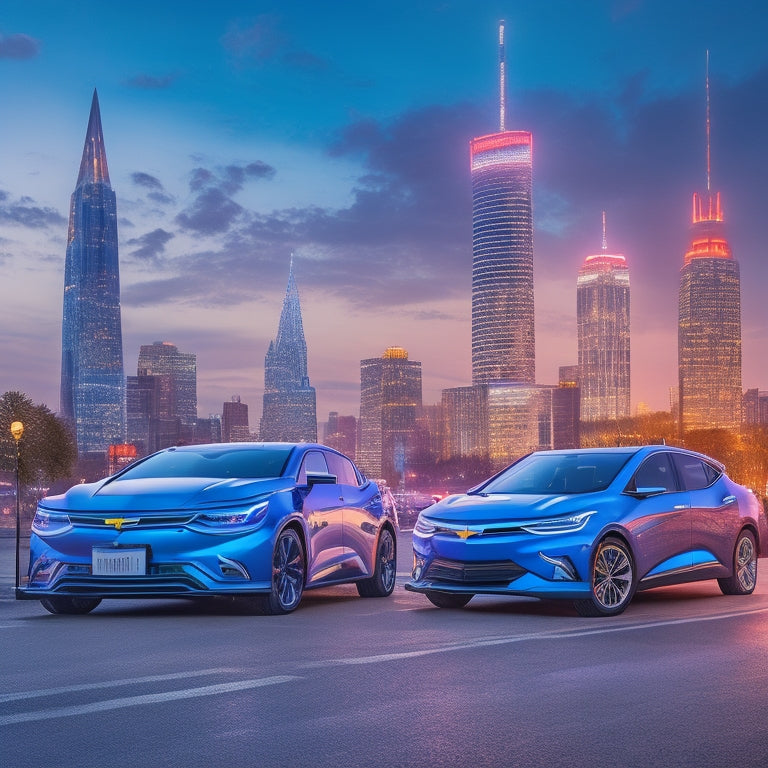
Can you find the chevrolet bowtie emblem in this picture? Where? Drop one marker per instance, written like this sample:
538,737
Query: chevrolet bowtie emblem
119,522
465,534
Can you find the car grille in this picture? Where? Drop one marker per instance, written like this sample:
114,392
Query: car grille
455,572
145,520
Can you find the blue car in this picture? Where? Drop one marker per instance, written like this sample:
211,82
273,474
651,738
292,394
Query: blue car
593,526
257,521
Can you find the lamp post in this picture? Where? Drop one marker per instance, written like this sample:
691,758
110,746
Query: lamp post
17,430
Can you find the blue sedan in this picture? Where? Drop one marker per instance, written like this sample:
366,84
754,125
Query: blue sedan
593,526
257,521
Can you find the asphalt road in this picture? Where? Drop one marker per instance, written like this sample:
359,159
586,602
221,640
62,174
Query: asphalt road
679,679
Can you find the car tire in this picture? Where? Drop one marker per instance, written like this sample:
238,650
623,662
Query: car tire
62,604
448,599
382,583
744,577
288,571
612,580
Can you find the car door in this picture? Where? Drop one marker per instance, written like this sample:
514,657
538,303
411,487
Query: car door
714,512
323,511
361,520
661,524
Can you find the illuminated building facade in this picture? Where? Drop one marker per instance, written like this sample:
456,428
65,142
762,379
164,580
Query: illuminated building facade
709,329
341,433
503,336
234,421
602,317
390,400
290,412
164,359
465,428
92,377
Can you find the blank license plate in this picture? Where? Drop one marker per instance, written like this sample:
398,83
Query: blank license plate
119,562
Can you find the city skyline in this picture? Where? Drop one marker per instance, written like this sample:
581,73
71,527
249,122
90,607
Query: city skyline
368,181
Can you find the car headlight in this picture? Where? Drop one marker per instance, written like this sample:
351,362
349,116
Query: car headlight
48,523
424,527
569,524
232,519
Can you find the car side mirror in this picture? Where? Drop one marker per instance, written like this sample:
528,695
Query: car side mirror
645,491
320,478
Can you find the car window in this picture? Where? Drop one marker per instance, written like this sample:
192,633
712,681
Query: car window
342,468
313,461
694,473
655,472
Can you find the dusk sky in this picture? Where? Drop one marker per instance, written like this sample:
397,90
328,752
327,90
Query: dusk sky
239,132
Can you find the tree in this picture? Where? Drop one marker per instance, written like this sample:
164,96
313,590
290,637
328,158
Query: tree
47,449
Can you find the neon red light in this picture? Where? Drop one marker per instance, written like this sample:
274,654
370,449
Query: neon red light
500,140
708,247
707,209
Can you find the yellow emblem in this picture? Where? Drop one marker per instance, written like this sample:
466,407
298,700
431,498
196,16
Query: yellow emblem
119,522
465,534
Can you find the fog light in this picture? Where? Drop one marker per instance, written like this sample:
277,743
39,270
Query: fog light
562,570
43,570
418,567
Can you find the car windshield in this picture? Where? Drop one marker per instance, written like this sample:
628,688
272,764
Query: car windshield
559,473
246,463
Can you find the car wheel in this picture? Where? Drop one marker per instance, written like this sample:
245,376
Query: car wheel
448,599
69,605
612,580
287,576
744,577
382,582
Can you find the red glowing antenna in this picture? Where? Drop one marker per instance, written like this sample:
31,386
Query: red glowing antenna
502,80
605,241
709,164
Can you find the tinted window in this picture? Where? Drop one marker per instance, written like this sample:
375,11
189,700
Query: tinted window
693,472
256,463
655,472
313,462
559,473
342,468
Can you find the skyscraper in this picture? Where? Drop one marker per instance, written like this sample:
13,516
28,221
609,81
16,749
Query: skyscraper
503,337
92,378
234,421
162,358
602,317
390,398
709,331
290,411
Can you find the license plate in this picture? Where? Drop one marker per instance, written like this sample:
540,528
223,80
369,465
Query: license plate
119,562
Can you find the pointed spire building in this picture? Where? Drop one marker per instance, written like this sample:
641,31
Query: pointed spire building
290,411
92,378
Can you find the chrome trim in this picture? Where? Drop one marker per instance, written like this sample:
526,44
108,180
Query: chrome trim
226,564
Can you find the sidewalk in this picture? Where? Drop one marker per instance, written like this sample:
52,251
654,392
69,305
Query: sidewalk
8,561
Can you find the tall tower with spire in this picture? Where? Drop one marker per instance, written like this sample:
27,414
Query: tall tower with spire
92,379
503,336
290,412
709,329
602,318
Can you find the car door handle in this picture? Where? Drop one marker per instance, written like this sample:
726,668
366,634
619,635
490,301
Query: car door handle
681,506
729,499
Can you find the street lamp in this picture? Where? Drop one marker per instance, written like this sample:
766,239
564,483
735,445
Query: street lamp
17,430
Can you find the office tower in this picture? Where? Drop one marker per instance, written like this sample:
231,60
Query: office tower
290,412
465,427
179,397
92,378
341,433
602,317
709,331
390,398
234,421
503,338
566,409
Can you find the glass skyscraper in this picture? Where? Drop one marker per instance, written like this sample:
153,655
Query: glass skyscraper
602,317
290,412
92,378
503,336
709,330
162,358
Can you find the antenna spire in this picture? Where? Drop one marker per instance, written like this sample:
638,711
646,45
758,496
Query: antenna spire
709,163
605,241
502,80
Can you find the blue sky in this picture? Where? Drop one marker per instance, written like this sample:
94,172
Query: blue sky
237,132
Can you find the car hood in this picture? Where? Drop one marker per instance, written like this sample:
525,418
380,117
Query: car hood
506,507
162,494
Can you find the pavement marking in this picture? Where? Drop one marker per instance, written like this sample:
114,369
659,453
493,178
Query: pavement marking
111,684
508,640
149,698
